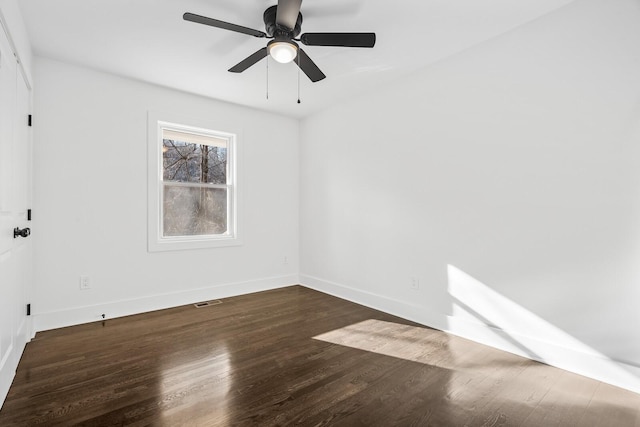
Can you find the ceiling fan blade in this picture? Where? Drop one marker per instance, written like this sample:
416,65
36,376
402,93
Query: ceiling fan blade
249,61
339,39
287,13
308,66
221,24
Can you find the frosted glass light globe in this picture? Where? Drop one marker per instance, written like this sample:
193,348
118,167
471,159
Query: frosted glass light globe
283,52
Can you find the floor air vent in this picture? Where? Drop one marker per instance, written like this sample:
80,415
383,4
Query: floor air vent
207,303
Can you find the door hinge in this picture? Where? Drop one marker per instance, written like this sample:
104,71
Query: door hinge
30,120
28,309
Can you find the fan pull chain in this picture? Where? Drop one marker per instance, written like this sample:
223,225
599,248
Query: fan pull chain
267,77
298,78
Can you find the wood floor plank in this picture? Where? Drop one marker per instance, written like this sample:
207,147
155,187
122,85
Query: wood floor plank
565,402
292,356
518,397
611,405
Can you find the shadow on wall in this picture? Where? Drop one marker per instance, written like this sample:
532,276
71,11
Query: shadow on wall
482,314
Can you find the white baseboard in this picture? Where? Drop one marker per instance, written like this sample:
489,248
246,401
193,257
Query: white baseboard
392,306
92,313
592,365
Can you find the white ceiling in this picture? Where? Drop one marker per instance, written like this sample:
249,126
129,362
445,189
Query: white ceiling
148,40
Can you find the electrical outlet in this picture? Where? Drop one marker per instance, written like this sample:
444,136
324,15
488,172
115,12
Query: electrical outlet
85,283
414,283
285,260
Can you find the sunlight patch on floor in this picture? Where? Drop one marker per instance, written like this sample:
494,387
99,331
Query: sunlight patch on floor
407,342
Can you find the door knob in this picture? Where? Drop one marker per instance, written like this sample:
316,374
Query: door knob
22,233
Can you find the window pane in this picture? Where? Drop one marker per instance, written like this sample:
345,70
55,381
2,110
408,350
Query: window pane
189,162
193,211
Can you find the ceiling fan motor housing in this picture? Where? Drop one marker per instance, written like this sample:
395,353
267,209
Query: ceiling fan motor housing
274,30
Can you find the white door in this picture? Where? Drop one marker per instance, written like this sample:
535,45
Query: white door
15,196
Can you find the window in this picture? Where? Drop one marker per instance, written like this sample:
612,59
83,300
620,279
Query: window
192,186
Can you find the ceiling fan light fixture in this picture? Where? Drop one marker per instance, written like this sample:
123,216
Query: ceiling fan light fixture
283,51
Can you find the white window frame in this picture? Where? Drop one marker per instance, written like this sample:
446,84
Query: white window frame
156,241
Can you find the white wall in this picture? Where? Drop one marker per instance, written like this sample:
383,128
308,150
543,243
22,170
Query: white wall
506,180
91,200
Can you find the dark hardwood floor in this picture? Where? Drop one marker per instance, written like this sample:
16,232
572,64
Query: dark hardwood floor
292,356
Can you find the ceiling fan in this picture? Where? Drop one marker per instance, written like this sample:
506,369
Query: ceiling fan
283,24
